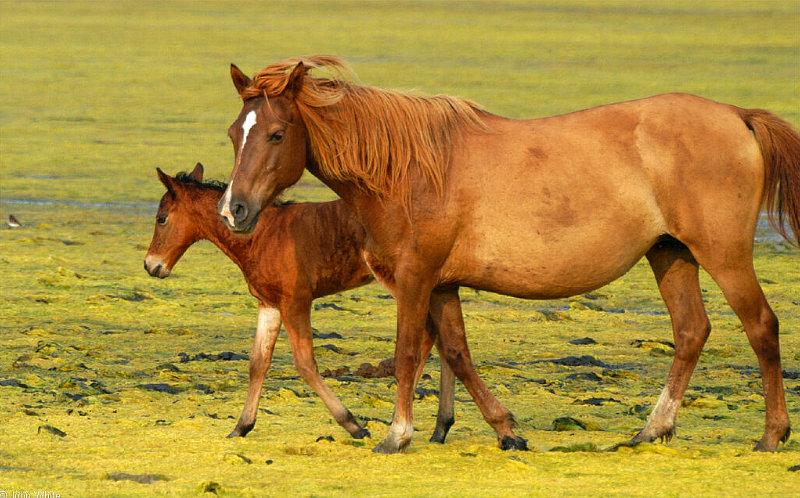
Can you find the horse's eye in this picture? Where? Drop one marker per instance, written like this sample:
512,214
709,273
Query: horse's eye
162,220
276,137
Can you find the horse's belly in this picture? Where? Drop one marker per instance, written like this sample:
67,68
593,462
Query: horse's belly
541,252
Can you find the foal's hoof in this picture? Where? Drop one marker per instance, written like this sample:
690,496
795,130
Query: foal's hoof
646,436
361,433
391,446
768,444
241,431
513,443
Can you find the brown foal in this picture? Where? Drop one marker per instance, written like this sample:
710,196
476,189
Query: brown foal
452,195
297,253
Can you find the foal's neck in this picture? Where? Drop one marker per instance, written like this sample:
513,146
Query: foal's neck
211,228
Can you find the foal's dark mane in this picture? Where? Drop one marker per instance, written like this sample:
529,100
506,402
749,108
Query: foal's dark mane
186,179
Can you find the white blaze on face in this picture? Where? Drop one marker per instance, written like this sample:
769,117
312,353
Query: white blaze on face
249,122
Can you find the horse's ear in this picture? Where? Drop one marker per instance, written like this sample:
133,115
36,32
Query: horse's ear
240,80
295,81
197,173
166,180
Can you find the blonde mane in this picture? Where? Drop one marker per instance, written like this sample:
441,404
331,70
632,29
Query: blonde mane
374,137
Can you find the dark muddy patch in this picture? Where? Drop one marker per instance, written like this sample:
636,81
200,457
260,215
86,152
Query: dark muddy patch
568,424
223,356
580,361
329,335
336,349
596,401
791,374
587,376
169,367
583,341
51,430
160,388
328,306
423,392
140,478
13,383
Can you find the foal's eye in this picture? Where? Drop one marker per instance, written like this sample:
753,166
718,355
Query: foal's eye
276,137
162,220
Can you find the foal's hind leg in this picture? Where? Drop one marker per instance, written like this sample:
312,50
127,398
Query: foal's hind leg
297,319
269,324
733,271
676,272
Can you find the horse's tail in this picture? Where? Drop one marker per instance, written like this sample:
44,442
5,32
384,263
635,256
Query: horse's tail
780,148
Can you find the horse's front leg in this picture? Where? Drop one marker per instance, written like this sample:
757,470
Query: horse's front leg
269,325
412,292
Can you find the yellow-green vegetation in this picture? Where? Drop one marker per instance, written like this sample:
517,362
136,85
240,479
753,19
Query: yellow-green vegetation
94,95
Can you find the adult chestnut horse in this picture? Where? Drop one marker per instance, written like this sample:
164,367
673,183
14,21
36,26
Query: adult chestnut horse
452,195
297,253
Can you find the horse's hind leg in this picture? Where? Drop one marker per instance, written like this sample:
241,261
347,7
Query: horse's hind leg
269,324
733,271
445,418
445,309
297,319
676,272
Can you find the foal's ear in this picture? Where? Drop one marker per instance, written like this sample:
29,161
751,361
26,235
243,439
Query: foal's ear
240,80
166,180
197,173
295,82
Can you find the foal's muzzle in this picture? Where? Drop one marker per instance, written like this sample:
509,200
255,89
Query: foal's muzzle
155,267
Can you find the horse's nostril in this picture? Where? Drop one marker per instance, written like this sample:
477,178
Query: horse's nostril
239,211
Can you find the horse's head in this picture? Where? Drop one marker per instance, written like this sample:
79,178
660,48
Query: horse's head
175,228
270,150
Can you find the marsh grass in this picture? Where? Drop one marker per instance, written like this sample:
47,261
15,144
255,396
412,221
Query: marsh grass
94,95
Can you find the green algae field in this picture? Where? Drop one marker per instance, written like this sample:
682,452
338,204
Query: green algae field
116,384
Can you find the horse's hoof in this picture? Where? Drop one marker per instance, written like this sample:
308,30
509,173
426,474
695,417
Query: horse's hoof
767,444
241,431
390,446
438,436
361,433
513,443
441,430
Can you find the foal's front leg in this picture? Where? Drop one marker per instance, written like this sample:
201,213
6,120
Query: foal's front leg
297,316
269,325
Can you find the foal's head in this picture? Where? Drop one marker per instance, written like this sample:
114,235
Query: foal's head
176,225
269,146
